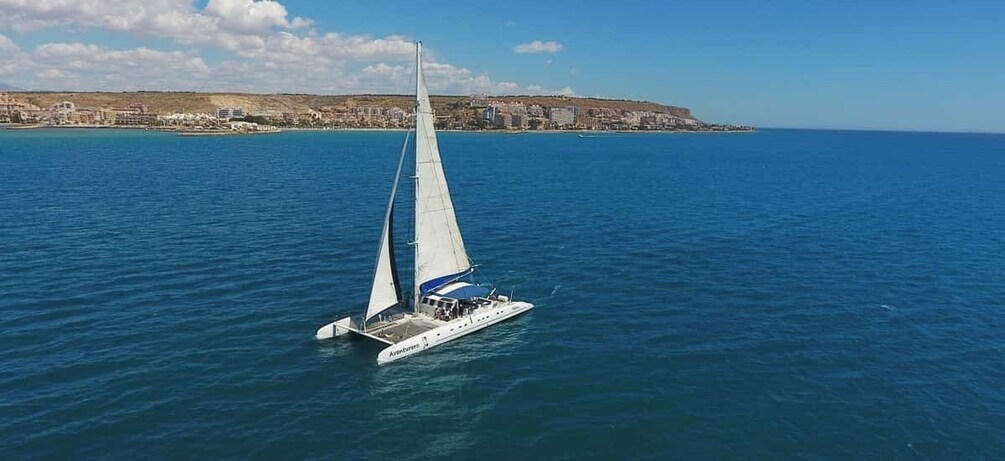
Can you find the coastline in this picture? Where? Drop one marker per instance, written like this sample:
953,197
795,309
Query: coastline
600,132
218,133
180,131
363,112
176,130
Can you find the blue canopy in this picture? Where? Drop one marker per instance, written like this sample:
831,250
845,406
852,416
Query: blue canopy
462,290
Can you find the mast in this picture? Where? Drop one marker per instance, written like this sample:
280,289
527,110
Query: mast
440,256
416,295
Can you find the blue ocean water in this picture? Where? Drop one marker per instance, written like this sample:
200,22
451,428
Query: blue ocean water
781,294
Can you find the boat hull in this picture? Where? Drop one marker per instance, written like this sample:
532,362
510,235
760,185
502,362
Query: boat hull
450,331
337,328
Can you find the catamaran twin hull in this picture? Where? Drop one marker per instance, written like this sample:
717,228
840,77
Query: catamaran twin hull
414,333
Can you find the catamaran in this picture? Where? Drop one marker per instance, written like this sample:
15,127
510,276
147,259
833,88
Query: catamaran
444,304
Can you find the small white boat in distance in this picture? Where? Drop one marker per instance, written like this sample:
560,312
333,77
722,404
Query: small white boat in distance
443,305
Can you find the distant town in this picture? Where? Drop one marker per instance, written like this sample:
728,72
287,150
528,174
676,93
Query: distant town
247,113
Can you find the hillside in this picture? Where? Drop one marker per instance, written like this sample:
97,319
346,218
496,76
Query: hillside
172,102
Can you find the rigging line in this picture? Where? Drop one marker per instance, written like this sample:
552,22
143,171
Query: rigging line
482,275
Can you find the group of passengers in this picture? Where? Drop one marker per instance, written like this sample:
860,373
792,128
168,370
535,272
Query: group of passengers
454,310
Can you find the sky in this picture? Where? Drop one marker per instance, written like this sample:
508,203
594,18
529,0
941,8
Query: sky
848,64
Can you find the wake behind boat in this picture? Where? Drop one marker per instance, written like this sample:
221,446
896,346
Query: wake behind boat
444,305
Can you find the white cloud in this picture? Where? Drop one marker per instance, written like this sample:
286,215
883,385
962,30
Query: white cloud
538,46
7,46
441,79
448,79
10,55
87,57
55,74
27,15
81,67
250,28
538,90
161,17
76,66
252,16
265,50
363,47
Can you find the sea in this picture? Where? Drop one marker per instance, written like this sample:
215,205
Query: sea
784,294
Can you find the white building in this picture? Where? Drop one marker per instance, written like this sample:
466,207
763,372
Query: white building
562,116
227,113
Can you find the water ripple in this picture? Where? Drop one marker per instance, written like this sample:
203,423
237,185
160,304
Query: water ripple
784,294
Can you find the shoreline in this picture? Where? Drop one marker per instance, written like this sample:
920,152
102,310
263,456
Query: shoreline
218,133
183,132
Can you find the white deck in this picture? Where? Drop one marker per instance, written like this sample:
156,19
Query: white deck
448,331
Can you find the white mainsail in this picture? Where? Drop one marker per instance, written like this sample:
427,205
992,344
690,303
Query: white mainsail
439,255
386,291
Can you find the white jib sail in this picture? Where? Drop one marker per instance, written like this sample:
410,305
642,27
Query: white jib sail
439,252
386,291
